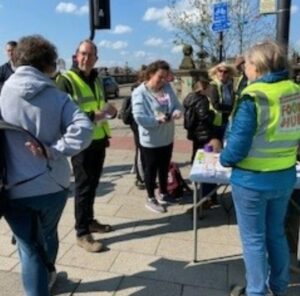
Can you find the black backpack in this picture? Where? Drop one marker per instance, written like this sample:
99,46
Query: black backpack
3,181
126,111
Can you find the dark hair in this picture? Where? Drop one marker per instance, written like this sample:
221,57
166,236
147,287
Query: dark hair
89,42
155,66
12,43
35,51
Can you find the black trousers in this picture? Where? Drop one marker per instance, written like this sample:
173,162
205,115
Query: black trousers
157,161
139,161
87,167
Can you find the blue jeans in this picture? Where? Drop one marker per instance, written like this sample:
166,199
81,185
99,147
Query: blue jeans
34,223
260,216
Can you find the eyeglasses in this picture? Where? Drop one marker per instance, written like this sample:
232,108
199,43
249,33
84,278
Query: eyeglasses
86,54
223,71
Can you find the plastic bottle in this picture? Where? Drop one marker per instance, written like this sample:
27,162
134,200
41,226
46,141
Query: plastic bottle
209,161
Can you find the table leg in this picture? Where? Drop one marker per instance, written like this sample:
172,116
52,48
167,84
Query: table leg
197,194
298,248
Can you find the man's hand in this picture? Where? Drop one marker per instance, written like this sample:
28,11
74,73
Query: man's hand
108,111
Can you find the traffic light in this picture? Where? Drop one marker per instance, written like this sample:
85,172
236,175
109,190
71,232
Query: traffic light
101,14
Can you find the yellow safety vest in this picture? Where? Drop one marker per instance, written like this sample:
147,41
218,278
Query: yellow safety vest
275,143
88,101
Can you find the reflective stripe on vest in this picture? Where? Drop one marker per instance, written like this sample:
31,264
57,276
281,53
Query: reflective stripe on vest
275,142
87,101
218,114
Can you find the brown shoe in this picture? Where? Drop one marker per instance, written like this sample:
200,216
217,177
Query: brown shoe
95,226
88,243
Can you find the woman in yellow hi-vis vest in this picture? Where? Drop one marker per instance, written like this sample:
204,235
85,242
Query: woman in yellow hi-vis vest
261,147
221,92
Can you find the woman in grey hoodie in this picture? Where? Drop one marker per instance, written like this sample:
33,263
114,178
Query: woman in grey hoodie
30,100
155,107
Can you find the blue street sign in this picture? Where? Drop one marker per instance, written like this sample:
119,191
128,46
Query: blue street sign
219,27
220,12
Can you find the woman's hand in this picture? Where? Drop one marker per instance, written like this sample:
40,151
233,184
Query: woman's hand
35,149
176,114
216,144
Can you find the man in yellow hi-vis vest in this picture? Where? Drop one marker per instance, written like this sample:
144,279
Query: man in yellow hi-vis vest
85,88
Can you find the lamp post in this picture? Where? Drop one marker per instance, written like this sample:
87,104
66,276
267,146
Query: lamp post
283,23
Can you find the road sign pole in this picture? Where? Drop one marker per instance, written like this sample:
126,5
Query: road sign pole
220,46
283,23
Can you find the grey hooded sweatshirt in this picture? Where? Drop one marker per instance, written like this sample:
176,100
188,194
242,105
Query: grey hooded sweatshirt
29,99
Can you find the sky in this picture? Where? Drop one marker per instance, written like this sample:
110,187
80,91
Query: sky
140,30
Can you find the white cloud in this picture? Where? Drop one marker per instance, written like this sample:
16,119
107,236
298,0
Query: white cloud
140,54
117,45
71,8
176,48
294,9
121,29
124,52
154,41
159,15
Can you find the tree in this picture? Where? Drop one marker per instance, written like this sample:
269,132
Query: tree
192,20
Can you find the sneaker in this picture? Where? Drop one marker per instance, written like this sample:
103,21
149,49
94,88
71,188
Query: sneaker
96,226
88,243
165,199
237,291
52,276
154,206
140,185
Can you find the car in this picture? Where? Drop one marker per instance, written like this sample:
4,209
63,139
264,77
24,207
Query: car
111,86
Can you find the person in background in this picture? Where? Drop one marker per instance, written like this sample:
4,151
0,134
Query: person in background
155,107
139,161
261,148
221,92
84,86
30,100
8,68
242,80
202,121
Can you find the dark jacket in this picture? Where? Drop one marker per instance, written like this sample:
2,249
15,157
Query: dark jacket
198,118
5,71
218,102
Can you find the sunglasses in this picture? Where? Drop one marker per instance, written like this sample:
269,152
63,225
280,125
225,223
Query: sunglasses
222,71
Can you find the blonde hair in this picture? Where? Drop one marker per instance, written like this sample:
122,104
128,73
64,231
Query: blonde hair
212,72
267,56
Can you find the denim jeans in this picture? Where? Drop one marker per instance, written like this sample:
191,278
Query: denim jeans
260,216
34,223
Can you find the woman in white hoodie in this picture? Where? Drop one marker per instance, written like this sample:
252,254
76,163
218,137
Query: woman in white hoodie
29,99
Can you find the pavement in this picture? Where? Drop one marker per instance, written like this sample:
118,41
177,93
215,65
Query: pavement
147,254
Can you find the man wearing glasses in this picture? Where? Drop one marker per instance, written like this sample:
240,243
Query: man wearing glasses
84,86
